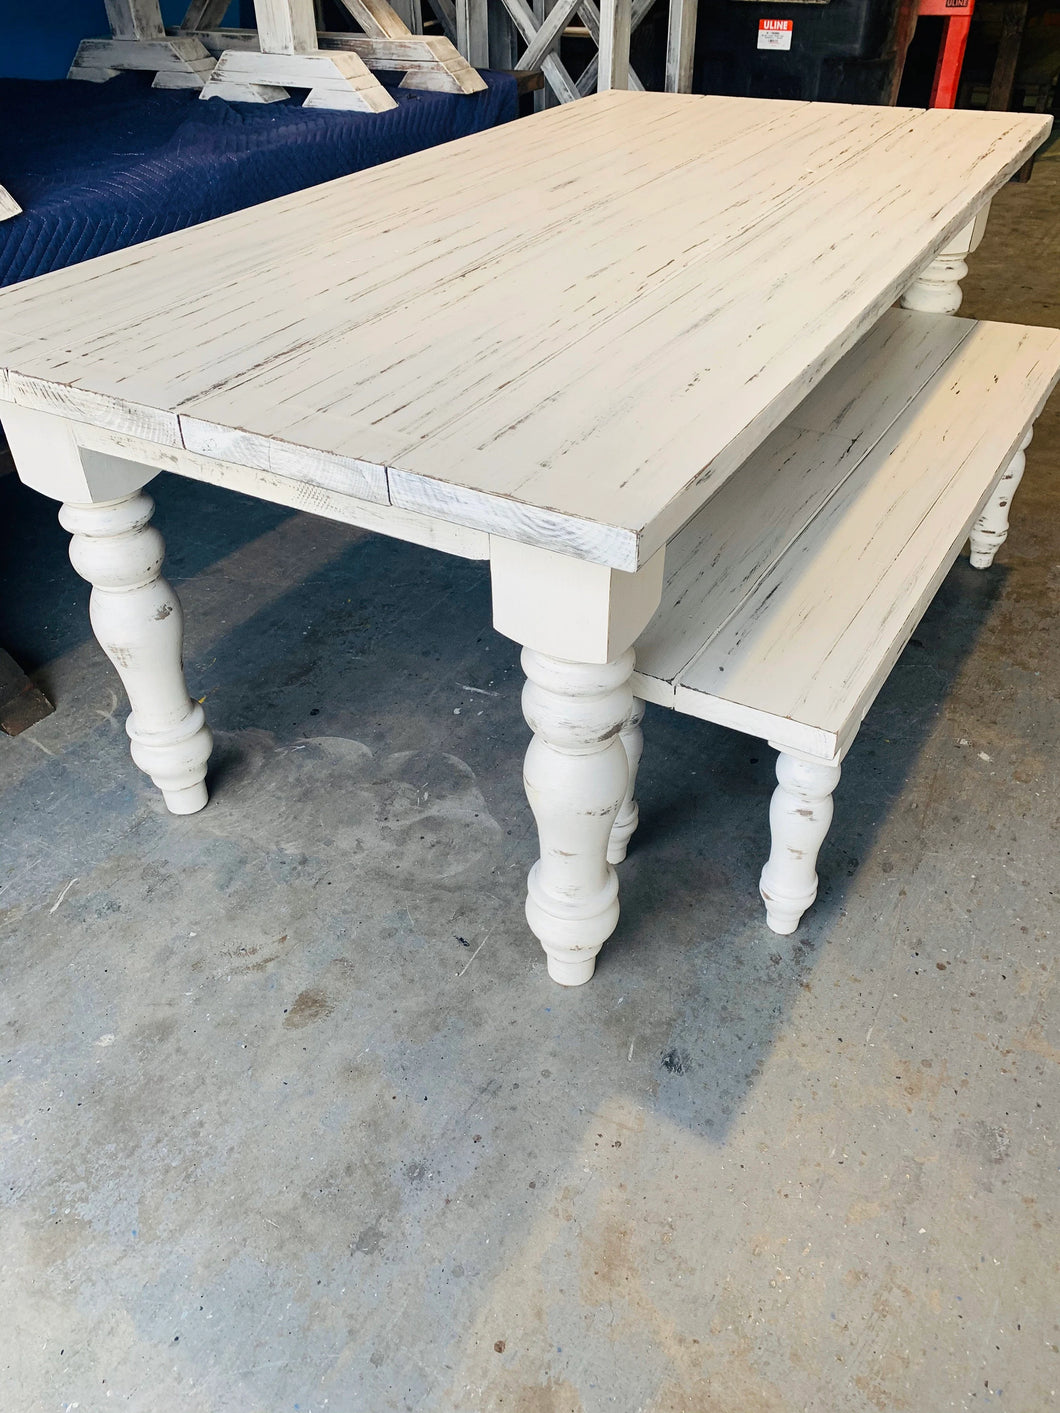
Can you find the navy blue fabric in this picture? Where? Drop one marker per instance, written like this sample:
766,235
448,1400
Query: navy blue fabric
97,167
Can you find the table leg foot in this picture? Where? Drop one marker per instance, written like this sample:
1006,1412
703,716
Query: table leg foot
991,529
799,815
576,774
137,619
338,79
178,61
571,973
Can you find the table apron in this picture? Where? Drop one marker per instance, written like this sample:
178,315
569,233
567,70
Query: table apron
37,437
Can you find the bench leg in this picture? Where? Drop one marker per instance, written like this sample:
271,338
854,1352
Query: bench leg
625,825
799,815
991,529
137,619
575,776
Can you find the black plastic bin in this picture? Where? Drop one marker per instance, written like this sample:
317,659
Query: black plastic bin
841,51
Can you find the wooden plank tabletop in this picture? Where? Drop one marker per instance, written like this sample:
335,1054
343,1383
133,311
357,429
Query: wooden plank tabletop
567,331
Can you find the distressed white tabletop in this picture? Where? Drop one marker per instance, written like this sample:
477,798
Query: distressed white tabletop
567,331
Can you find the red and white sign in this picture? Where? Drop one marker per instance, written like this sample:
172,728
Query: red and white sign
775,34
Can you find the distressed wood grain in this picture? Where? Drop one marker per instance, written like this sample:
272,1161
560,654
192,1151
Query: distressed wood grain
339,80
428,61
680,45
286,26
800,623
377,18
557,330
135,19
724,552
178,61
203,15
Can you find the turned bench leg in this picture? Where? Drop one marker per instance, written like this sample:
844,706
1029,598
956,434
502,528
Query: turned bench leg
991,529
575,776
137,619
799,815
632,738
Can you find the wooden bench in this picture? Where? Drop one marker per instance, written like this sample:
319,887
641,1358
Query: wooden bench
790,596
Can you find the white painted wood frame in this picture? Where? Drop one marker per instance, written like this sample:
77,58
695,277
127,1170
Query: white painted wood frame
680,45
382,22
339,81
204,15
610,26
138,41
616,22
429,62
287,55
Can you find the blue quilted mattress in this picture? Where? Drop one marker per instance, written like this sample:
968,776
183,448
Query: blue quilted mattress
97,167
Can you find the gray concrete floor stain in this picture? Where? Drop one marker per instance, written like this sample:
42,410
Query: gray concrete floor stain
294,1120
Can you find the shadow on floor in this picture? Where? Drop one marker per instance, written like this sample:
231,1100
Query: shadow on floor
378,676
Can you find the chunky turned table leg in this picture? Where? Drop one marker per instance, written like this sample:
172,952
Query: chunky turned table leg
937,289
575,775
625,825
799,815
137,619
991,529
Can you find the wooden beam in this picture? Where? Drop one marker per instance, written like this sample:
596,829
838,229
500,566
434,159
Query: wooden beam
377,18
218,41
526,81
204,14
339,80
556,75
445,12
21,703
178,61
135,19
680,46
616,23
503,49
472,32
428,61
548,36
587,79
1008,53
410,13
286,26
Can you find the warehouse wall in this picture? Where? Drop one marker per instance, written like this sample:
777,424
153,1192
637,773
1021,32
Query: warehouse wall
38,41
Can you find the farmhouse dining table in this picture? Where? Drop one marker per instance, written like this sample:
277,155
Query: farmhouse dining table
545,346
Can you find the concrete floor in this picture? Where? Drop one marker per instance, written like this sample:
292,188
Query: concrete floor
294,1120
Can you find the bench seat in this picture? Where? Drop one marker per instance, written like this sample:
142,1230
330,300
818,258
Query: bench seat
789,597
